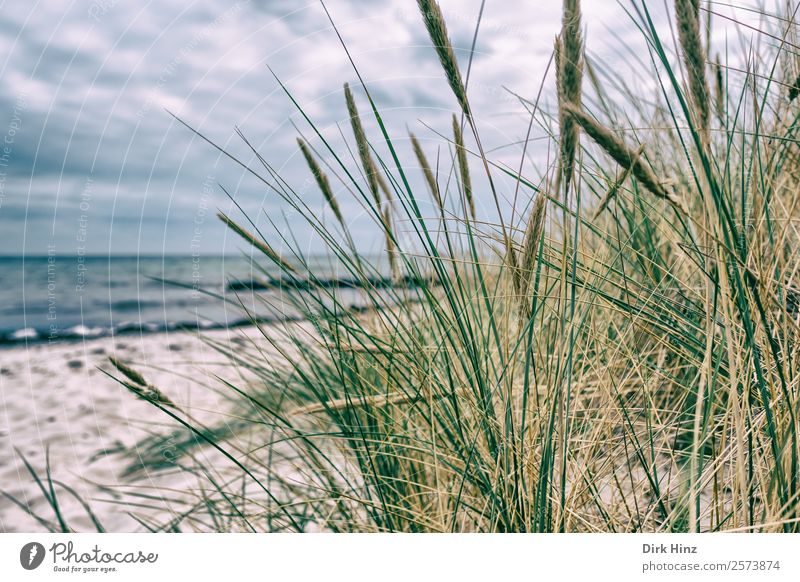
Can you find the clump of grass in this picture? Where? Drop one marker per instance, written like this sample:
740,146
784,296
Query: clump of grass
47,486
634,370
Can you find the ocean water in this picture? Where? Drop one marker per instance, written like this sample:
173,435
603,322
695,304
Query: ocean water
62,298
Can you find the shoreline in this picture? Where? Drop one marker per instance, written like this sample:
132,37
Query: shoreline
30,337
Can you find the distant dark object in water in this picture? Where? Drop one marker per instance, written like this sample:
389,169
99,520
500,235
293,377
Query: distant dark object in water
75,364
130,305
406,282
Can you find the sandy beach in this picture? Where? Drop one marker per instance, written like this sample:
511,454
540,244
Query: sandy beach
57,397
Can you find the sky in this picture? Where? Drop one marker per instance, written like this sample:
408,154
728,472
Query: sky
91,160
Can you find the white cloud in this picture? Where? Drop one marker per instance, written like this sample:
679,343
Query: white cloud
98,76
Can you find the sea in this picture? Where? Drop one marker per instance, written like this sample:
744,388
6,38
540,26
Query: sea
64,298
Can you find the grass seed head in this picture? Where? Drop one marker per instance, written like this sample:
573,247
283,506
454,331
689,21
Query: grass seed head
322,181
623,155
428,172
569,79
363,145
463,166
530,250
391,249
256,242
128,372
687,14
434,22
138,385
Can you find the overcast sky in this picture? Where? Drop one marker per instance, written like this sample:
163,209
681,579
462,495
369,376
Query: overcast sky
93,160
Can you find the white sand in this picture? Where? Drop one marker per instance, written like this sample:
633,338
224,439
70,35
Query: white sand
54,396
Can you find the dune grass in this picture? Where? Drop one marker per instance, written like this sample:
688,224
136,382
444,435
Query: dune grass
618,352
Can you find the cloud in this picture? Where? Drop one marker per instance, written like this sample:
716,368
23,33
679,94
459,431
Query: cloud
97,78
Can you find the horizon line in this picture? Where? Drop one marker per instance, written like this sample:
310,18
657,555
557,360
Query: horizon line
134,256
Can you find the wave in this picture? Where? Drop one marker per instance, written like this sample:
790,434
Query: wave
81,329
30,335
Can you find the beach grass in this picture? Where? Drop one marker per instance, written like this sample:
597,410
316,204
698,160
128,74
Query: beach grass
616,353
